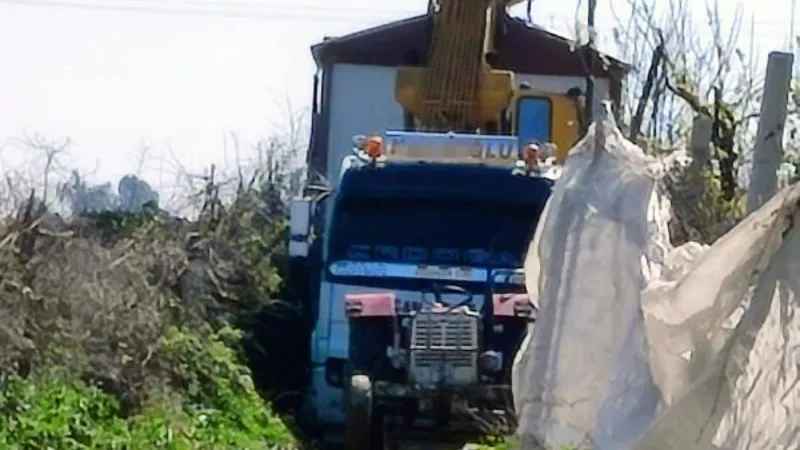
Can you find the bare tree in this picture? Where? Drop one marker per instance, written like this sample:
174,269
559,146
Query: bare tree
683,68
53,151
278,158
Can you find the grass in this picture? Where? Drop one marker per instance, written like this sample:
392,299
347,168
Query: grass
505,443
54,410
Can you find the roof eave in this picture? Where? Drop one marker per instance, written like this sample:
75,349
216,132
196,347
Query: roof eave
616,63
316,53
622,66
318,49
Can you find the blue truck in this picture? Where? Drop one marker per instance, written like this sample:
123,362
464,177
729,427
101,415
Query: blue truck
421,297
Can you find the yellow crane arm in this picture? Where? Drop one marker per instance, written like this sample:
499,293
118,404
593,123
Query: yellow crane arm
457,91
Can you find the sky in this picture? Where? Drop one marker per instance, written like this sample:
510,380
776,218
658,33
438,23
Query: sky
177,76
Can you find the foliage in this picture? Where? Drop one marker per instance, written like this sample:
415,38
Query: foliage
222,409
700,212
792,146
496,443
501,443
125,329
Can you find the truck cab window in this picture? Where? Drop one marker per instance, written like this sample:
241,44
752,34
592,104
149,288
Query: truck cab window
432,231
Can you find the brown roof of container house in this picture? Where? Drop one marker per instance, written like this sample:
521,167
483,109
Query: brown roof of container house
521,48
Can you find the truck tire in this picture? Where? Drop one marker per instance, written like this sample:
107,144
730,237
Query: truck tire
359,414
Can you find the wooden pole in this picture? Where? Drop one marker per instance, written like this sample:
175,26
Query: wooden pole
768,152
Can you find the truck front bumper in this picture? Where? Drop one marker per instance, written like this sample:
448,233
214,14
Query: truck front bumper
483,394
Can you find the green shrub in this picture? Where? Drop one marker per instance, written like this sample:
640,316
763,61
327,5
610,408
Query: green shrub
53,413
216,408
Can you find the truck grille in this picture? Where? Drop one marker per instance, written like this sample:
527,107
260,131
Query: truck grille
444,348
444,331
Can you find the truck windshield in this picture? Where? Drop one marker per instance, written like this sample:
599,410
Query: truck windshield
433,231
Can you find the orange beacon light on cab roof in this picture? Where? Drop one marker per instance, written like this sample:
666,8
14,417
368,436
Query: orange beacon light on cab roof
374,147
531,155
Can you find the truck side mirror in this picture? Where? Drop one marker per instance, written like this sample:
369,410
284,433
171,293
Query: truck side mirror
299,227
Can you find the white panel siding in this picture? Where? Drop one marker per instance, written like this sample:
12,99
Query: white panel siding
560,85
362,101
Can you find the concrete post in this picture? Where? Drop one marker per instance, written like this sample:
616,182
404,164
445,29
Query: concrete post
699,145
768,152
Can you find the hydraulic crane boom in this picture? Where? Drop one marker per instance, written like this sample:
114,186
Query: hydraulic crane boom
458,91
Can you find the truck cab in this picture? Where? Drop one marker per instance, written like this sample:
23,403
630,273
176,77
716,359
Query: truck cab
430,221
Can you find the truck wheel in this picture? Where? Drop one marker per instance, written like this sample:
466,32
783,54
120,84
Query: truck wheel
359,426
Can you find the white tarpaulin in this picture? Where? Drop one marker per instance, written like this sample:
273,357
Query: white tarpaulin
639,345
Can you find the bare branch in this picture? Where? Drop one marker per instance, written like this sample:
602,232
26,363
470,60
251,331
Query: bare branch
652,74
